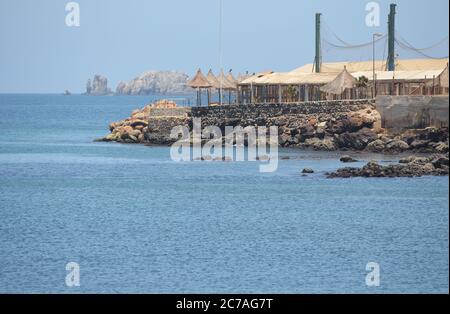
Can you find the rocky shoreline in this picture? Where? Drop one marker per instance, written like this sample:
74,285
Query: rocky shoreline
333,127
321,129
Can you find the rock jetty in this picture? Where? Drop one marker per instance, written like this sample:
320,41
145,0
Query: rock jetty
135,129
331,126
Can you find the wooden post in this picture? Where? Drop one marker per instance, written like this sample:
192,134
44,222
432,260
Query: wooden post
209,96
280,96
198,97
434,80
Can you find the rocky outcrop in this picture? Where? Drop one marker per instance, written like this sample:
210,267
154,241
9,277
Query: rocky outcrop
146,127
98,86
429,140
155,83
437,165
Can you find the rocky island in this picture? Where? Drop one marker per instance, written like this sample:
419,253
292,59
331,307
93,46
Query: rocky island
98,86
155,83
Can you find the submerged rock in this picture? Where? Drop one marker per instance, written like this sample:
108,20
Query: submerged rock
308,171
347,159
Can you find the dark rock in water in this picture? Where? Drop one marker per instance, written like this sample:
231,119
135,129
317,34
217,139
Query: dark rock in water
407,160
440,162
308,171
347,159
356,140
411,167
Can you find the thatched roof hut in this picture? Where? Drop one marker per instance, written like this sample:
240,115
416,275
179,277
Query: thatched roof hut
232,80
199,81
225,84
342,82
213,80
443,78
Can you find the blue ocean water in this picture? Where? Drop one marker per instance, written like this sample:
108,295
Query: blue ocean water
137,222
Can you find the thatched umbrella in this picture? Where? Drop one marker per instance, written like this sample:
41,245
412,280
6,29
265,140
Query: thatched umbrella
443,78
342,82
234,82
214,83
199,82
231,79
226,85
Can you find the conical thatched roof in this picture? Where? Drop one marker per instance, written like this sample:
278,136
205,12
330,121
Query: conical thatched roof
443,78
213,80
231,79
199,81
224,82
343,81
242,77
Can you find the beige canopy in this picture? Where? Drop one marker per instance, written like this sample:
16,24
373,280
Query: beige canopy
343,81
213,80
232,80
224,82
199,81
443,78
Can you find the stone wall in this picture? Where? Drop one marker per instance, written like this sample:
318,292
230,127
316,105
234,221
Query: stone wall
258,114
169,112
318,125
413,112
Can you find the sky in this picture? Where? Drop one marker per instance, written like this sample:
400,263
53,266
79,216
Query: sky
120,39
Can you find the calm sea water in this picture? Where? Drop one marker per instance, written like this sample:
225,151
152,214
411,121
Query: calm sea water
137,222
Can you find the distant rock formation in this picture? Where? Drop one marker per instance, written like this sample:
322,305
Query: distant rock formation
98,86
155,83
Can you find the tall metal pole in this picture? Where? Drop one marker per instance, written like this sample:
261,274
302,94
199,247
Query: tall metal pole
221,50
373,73
374,76
318,59
391,34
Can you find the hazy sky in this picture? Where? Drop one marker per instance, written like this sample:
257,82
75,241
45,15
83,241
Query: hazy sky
122,38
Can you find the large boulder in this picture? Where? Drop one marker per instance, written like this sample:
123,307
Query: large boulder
376,146
326,144
356,140
396,146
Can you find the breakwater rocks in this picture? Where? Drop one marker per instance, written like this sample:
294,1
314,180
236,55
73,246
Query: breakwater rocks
326,126
436,165
149,125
